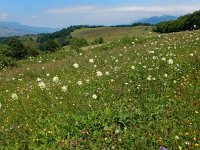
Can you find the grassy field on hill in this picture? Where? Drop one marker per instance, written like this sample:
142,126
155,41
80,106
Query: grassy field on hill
112,33
137,93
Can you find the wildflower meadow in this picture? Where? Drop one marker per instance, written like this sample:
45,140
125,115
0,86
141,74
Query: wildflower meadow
134,93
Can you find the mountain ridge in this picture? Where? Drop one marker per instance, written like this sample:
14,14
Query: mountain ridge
18,29
156,19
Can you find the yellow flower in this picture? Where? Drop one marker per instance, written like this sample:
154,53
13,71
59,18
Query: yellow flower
186,133
196,112
179,147
196,145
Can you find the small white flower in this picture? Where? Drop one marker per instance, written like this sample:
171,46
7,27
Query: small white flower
76,65
14,96
87,81
149,78
79,82
133,67
117,131
170,61
187,143
94,96
107,73
55,79
176,137
0,105
195,25
191,54
99,73
151,52
64,88
48,74
165,75
91,60
42,85
39,80
164,59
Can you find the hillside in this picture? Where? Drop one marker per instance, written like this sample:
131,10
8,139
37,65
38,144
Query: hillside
183,23
156,19
13,28
112,33
140,93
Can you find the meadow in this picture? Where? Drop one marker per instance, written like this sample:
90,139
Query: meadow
138,93
113,33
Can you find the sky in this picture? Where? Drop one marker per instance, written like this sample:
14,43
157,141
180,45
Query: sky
63,13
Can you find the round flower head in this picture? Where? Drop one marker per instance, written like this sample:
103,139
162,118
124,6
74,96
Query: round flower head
99,73
14,96
76,65
55,79
94,96
64,88
42,85
91,60
170,61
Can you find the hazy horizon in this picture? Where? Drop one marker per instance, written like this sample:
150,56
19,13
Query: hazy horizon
48,13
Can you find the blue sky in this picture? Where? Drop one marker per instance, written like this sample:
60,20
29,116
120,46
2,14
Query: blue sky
62,13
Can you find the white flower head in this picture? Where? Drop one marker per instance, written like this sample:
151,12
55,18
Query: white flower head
42,85
176,137
99,73
133,67
94,96
76,65
107,73
38,80
149,78
64,89
170,61
91,60
164,59
165,75
79,82
55,79
87,81
14,96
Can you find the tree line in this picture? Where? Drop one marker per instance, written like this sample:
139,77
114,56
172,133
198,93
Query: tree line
17,48
183,23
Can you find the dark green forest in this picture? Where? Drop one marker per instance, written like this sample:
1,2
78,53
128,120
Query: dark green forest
183,23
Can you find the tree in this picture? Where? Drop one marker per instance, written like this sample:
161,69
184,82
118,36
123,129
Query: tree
17,48
49,46
31,47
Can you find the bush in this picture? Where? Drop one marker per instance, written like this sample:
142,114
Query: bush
77,43
6,62
99,40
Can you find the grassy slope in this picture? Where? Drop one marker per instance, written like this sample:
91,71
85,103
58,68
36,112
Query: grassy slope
130,111
112,33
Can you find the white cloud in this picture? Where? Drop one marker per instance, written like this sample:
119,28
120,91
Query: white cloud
3,16
123,9
71,10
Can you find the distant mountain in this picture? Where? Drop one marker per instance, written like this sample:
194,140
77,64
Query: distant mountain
14,28
156,19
